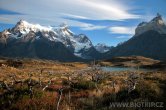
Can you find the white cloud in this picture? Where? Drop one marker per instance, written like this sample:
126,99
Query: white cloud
122,30
123,37
51,12
92,27
74,16
5,19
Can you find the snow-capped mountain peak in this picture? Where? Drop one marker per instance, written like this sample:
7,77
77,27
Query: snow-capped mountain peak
156,24
6,32
24,31
63,26
25,27
64,30
102,48
158,20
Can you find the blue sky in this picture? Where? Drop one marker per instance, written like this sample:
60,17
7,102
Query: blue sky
103,21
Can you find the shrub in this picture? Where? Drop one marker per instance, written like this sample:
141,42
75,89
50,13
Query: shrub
84,85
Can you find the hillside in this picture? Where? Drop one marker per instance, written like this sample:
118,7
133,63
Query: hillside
149,41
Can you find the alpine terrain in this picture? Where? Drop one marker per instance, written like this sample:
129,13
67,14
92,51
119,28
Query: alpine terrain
36,41
149,41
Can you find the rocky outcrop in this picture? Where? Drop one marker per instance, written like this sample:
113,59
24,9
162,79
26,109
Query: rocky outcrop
156,24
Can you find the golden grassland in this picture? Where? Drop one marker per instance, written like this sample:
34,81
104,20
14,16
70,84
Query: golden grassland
36,66
80,90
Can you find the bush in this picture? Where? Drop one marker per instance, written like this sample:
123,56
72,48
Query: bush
65,82
84,85
14,63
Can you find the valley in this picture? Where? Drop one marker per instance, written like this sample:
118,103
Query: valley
108,59
49,85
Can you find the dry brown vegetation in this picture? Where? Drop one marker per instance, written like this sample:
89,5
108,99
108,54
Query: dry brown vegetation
133,61
50,85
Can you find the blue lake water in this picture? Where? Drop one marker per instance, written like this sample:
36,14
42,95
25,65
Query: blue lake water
116,69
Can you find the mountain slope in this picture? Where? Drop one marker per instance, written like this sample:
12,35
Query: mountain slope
38,49
150,43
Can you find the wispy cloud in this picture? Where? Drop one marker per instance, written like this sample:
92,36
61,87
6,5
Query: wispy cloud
5,19
91,27
122,30
109,10
52,11
73,16
123,37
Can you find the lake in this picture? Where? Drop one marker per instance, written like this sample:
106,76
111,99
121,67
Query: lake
116,69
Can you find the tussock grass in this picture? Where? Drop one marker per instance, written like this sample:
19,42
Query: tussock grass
82,94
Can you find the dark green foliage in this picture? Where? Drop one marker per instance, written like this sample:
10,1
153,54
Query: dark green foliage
84,85
14,63
11,97
65,82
